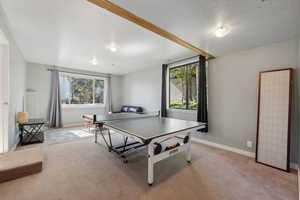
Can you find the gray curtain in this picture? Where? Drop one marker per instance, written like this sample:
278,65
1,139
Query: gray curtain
108,106
164,91
55,117
202,94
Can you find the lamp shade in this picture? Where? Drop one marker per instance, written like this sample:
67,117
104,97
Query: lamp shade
22,117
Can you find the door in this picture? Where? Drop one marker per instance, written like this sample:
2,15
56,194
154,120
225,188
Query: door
4,93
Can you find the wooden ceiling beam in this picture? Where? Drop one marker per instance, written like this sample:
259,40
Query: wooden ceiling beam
147,25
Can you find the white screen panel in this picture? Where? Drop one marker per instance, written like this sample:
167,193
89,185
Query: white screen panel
274,118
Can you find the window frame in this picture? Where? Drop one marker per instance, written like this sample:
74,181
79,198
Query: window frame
186,89
93,105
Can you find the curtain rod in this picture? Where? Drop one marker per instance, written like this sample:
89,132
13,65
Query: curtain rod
174,62
80,72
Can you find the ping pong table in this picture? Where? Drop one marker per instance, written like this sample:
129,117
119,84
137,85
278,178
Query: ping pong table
149,130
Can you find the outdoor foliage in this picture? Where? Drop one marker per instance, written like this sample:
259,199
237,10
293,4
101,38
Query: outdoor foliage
184,79
82,90
177,105
99,91
193,105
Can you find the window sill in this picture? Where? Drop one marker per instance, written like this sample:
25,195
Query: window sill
82,106
181,110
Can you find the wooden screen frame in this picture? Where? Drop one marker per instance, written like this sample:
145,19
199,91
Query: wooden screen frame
289,117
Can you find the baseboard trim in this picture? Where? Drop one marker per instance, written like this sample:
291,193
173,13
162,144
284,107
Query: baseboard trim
75,125
235,150
225,147
294,166
13,148
67,126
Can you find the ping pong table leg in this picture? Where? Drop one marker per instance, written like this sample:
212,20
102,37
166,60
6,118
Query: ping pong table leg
150,164
110,142
188,150
96,135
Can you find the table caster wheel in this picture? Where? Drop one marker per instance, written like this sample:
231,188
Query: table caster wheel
150,184
125,161
189,162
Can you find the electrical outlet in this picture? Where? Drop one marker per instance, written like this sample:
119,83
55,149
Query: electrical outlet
249,144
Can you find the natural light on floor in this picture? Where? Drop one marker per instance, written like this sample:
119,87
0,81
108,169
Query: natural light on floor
81,133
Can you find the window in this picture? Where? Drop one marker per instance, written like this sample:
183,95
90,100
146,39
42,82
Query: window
81,90
183,87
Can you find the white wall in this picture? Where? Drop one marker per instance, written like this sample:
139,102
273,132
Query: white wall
117,88
233,82
232,93
39,80
17,73
143,88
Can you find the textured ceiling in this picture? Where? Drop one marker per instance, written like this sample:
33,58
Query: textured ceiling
70,32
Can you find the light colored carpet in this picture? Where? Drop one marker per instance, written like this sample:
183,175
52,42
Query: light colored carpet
85,170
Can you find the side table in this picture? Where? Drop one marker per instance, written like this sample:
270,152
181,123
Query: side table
32,131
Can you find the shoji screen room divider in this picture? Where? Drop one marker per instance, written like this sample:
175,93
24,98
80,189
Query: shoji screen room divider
274,118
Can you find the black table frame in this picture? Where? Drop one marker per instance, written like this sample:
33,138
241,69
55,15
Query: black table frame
32,131
119,149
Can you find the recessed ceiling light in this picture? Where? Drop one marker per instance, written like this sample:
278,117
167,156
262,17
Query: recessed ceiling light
112,47
222,31
94,61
